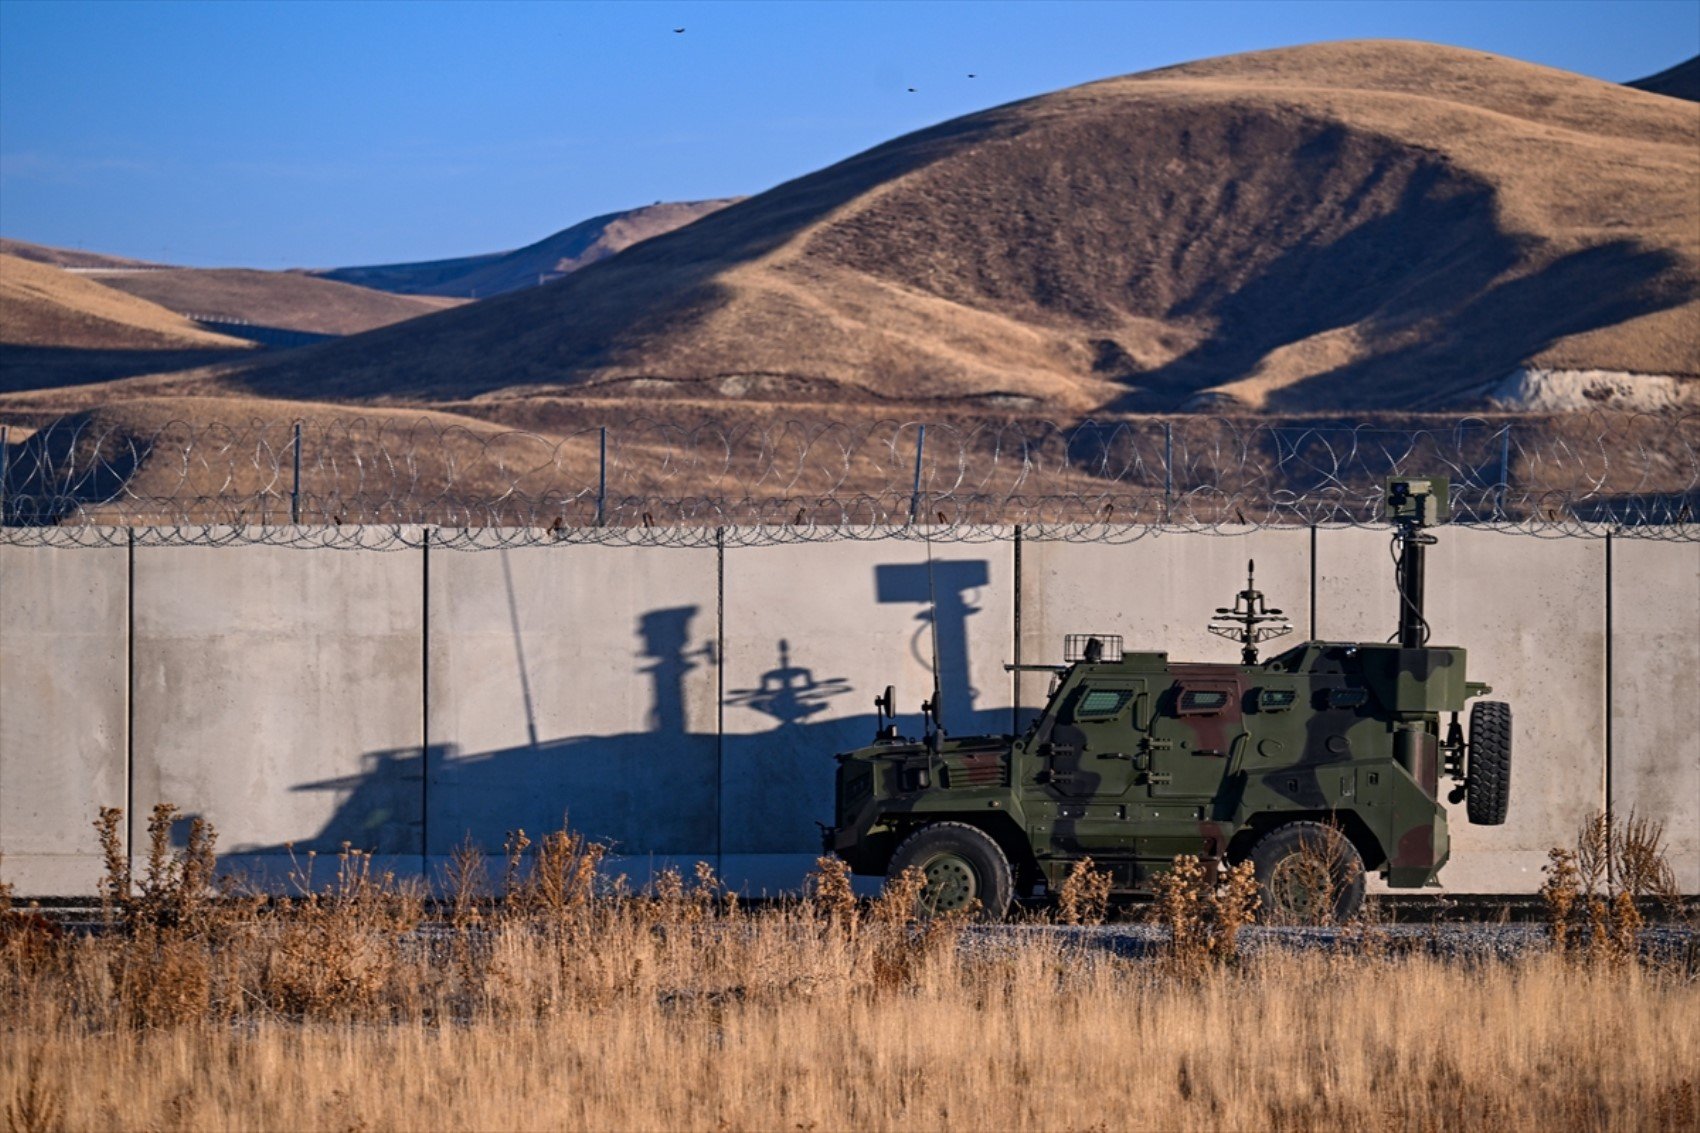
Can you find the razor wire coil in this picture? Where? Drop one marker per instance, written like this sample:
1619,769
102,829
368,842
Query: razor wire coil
393,481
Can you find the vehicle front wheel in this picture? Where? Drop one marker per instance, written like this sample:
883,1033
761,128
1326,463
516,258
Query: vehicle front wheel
961,865
1308,873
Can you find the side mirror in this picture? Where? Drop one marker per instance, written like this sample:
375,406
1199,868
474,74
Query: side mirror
886,706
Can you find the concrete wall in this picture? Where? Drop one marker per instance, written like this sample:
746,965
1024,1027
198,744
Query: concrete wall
575,682
1655,693
271,688
64,710
814,632
684,703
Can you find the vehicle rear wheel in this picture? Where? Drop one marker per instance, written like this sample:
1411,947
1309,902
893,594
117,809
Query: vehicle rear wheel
1487,784
1308,873
962,865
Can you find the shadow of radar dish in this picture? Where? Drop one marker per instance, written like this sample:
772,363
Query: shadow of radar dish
1319,765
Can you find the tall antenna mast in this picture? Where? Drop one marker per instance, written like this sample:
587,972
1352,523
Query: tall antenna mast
1249,621
1414,503
932,708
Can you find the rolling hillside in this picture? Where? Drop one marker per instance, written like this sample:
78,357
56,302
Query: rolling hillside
60,329
1365,225
44,306
585,243
283,300
68,257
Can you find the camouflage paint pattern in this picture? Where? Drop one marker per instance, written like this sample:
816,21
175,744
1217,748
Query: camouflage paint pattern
1138,760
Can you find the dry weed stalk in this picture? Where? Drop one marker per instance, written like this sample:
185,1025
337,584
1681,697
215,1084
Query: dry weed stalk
34,1106
562,879
1204,905
1595,894
831,897
466,879
710,895
334,952
115,878
1084,895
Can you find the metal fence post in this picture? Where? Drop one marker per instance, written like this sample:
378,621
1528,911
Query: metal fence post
1504,472
915,492
295,486
5,467
1168,470
602,476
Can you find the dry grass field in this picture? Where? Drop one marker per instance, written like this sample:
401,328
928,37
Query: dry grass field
576,1004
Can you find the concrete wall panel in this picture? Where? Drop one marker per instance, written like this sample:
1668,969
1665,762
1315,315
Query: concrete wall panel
278,692
286,694
1531,614
814,632
1158,592
576,682
1655,705
63,711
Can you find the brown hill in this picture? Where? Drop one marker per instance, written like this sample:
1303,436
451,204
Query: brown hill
280,300
42,305
57,329
583,244
1347,226
67,257
1680,81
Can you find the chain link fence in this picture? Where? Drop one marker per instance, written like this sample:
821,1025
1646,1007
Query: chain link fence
384,480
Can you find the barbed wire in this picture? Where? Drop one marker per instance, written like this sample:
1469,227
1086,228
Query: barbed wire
385,480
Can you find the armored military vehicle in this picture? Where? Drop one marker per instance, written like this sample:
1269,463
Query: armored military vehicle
1317,765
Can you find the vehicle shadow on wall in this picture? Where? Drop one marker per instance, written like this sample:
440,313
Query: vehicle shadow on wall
757,786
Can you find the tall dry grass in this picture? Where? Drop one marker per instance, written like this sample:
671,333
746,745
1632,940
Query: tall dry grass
576,1003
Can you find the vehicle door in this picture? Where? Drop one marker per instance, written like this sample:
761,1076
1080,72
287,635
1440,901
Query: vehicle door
1196,737
1086,777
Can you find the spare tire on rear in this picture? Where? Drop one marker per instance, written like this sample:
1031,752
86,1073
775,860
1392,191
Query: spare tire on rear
1487,791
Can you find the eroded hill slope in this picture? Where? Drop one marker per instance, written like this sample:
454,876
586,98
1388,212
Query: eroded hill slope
1365,225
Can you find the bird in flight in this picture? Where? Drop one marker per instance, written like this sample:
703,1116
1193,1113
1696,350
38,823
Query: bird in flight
678,31
911,90
971,74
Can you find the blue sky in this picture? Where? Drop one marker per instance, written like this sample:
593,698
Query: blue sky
321,134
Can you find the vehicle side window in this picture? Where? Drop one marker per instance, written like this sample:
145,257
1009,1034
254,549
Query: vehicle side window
1203,700
1101,703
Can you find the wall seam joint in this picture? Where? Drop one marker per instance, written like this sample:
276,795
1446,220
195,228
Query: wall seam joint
1610,676
130,695
1015,677
425,706
720,698
1313,568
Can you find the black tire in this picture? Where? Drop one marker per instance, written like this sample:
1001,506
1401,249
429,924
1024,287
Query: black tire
1308,873
1487,789
962,865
